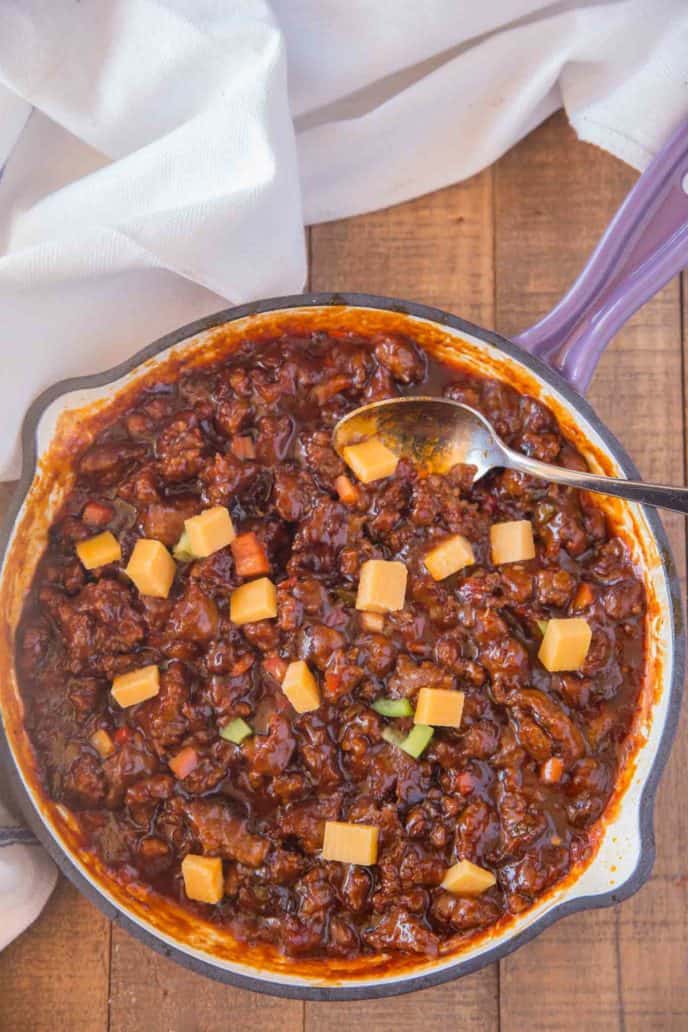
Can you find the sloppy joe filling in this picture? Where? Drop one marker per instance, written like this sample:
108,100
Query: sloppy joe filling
329,706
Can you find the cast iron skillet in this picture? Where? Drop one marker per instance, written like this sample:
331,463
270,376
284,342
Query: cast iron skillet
646,244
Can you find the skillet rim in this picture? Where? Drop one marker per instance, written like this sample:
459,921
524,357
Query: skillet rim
371,989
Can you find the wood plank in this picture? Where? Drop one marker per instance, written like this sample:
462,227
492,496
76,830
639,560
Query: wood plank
469,1004
553,198
157,995
436,249
55,975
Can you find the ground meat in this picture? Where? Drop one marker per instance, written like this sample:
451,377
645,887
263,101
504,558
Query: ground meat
221,833
252,431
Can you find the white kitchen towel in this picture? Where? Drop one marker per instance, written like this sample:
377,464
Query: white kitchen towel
27,877
160,157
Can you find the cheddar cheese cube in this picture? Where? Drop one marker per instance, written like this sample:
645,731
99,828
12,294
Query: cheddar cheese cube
350,843
512,542
449,557
374,623
99,550
467,879
152,568
439,707
136,686
256,600
203,880
300,687
565,644
370,460
381,586
102,743
210,531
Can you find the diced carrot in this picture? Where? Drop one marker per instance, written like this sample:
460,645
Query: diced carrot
97,514
250,557
348,492
275,667
184,762
374,622
333,682
243,447
551,771
584,596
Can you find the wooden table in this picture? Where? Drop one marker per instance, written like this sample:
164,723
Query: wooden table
499,249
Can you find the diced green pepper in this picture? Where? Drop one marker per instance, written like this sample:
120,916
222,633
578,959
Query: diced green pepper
236,731
392,736
417,740
393,707
542,624
182,550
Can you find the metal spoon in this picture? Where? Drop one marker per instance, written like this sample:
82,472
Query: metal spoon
436,433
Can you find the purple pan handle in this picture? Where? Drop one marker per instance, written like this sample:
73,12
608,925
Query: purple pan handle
645,244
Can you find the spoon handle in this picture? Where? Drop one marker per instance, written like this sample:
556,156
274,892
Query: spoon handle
663,496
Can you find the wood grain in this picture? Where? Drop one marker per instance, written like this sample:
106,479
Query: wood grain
55,976
469,1005
436,249
156,995
553,198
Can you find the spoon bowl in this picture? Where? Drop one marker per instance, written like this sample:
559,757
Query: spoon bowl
437,433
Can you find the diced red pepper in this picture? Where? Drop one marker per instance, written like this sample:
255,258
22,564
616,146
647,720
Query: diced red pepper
348,492
243,447
122,735
250,557
184,762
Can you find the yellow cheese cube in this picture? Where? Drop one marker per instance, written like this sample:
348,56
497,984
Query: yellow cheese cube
350,843
370,460
467,879
300,687
210,531
203,879
449,557
512,542
439,707
136,686
381,586
256,600
99,550
565,644
151,568
374,623
102,743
